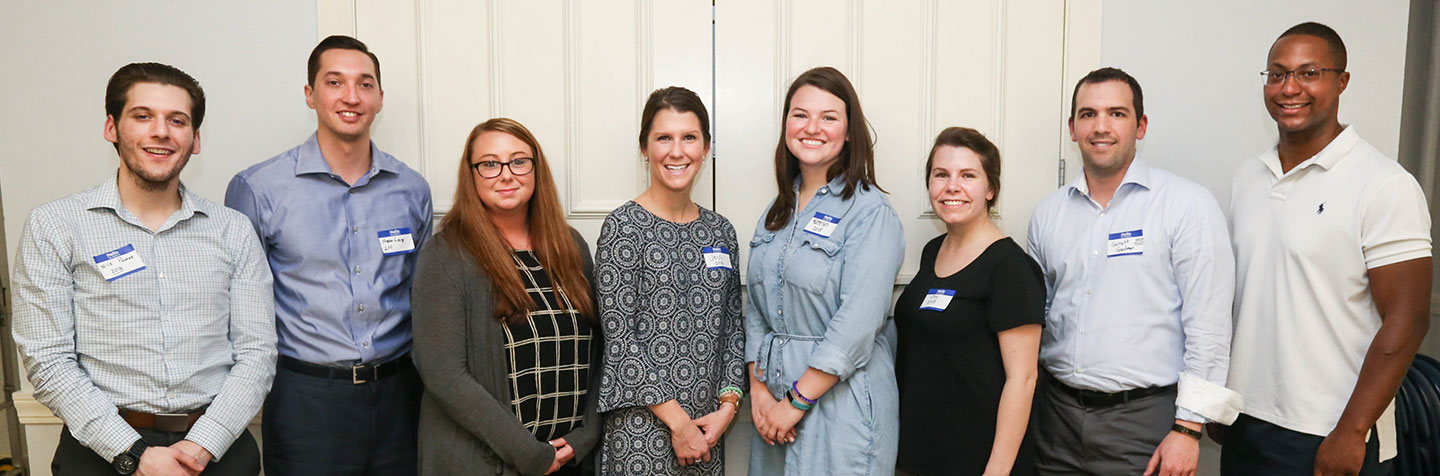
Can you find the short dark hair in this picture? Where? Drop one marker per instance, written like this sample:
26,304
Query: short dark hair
117,91
678,99
1111,74
975,141
339,42
1310,28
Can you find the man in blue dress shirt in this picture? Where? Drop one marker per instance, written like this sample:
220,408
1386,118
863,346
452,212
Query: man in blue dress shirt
1140,276
341,222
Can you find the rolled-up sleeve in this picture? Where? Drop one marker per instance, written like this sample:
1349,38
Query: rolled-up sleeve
872,253
1205,274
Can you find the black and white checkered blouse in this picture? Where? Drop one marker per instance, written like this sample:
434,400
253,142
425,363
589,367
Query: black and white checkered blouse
548,354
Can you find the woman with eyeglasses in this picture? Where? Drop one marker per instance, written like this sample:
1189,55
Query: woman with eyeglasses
503,316
822,267
968,327
669,299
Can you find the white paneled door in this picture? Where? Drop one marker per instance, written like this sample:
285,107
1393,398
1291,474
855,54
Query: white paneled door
577,74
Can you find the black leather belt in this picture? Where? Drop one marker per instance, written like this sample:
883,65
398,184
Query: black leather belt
1092,398
356,374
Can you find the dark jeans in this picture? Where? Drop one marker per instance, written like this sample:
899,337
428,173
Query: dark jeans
1255,446
74,459
320,426
1075,439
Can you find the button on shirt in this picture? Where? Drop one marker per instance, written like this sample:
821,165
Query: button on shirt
1124,313
339,300
819,302
1305,241
194,327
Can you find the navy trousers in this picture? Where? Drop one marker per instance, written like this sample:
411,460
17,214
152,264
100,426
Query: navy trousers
1255,446
315,425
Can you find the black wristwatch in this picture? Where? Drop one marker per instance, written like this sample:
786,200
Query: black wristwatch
129,461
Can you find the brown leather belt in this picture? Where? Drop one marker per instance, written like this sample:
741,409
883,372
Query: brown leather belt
167,422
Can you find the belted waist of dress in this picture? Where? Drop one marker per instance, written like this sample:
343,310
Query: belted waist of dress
769,343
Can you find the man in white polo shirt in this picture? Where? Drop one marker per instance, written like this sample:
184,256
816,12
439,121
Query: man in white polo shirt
1332,249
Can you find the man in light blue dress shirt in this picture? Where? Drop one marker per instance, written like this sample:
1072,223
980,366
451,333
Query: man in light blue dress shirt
143,312
341,222
1140,277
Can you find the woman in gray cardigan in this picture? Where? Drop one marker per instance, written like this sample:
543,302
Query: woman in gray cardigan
503,314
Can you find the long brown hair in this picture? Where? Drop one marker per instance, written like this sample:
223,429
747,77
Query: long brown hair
857,156
468,226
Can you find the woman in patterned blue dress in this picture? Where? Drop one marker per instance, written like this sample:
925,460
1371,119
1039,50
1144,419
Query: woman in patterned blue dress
669,298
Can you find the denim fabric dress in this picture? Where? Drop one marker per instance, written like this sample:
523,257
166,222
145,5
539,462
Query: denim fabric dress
818,298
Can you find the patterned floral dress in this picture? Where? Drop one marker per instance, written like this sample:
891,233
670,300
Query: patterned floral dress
670,308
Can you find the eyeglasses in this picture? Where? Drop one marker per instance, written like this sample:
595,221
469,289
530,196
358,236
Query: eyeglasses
1304,76
491,168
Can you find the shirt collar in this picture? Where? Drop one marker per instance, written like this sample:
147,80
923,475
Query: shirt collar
1326,159
835,186
107,195
312,161
1138,173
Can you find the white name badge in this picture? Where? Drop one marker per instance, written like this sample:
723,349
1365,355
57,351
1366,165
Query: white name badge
1126,243
396,241
120,263
937,299
716,258
822,225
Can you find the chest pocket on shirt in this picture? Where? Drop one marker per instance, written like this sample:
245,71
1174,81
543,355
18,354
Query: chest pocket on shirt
809,265
755,272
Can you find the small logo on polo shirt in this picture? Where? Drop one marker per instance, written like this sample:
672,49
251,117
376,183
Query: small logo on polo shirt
1321,209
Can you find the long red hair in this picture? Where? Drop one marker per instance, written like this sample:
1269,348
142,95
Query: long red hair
468,226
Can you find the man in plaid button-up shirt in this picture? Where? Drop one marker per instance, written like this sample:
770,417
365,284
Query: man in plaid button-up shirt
143,312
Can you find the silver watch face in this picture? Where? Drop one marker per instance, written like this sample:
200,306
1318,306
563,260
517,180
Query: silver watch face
126,464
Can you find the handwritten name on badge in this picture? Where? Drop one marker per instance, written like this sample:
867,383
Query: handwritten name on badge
937,299
1126,243
119,263
822,225
716,258
396,241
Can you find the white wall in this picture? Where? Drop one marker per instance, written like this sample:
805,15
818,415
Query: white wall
55,58
1198,64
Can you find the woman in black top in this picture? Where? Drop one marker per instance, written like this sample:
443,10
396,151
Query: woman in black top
969,327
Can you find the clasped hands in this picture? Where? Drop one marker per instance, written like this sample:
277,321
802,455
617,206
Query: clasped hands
184,458
694,439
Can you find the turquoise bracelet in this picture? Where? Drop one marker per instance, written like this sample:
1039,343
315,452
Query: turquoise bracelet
795,402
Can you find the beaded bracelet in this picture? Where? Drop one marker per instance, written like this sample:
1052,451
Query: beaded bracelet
795,387
739,394
794,400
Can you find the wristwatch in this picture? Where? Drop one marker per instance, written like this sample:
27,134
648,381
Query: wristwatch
129,461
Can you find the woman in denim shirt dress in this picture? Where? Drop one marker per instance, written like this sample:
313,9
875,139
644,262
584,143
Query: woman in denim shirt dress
822,268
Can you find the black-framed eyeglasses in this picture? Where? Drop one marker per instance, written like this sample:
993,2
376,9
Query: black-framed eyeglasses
1304,76
491,168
